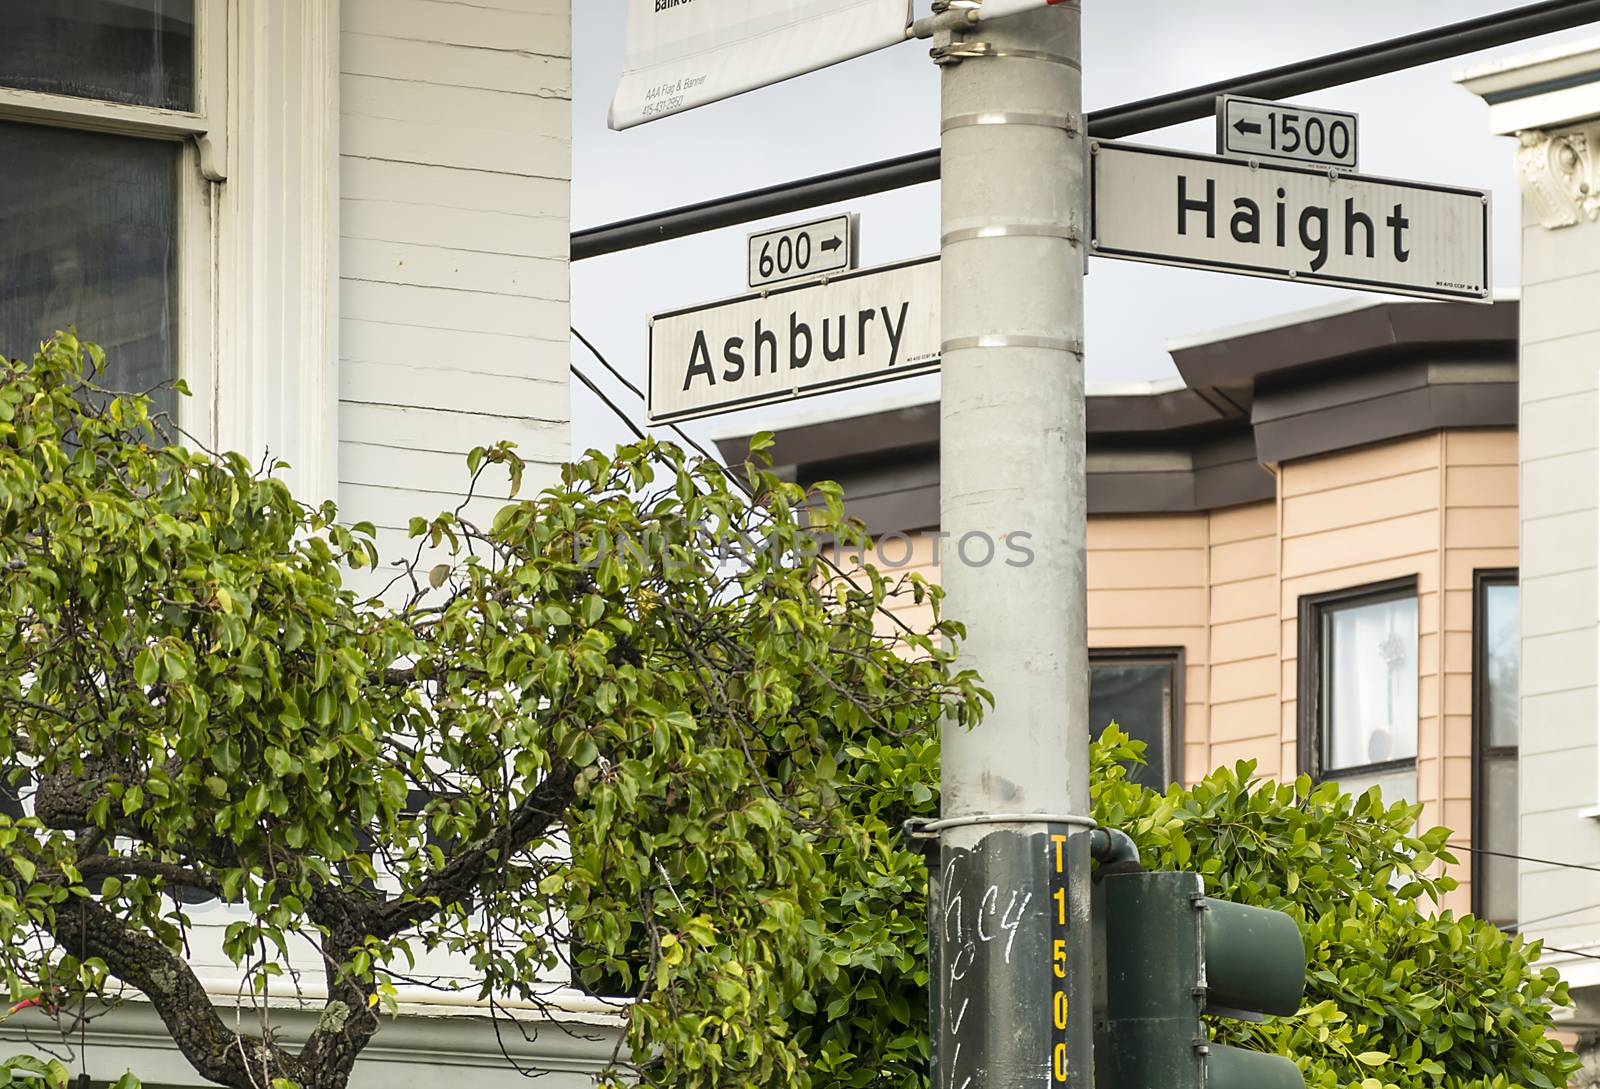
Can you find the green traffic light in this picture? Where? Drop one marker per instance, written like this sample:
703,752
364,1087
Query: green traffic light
1172,954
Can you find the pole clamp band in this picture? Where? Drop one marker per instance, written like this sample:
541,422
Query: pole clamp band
1064,122
920,828
1005,340
956,52
1015,230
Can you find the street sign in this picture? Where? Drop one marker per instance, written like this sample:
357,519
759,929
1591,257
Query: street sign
1288,222
796,340
1259,129
998,9
682,54
801,252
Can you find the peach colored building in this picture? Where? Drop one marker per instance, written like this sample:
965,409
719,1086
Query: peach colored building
1303,552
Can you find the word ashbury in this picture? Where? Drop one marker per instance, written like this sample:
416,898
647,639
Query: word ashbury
790,341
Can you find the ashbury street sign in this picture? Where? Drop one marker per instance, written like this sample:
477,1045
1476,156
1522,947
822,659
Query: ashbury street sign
1305,223
857,328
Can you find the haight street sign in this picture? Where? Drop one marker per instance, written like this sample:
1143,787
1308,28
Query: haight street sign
858,328
1302,223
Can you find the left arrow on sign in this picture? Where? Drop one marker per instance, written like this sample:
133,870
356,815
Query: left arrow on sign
1242,126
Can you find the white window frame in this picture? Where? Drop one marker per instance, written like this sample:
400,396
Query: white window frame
1312,666
202,163
257,295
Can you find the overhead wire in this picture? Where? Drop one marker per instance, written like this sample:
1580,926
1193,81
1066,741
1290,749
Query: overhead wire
1526,858
1523,923
728,473
594,389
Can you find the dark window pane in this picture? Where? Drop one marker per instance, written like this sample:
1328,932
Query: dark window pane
1137,696
1369,678
133,51
88,237
1502,677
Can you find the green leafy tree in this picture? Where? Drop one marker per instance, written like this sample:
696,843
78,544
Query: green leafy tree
579,733
1397,997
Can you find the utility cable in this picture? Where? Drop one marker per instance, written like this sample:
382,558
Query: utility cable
594,389
618,375
1557,915
1526,858
1571,952
732,478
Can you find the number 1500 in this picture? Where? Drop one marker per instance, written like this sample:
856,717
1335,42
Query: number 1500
1290,133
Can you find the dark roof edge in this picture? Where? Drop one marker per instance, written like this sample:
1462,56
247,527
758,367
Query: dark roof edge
1310,406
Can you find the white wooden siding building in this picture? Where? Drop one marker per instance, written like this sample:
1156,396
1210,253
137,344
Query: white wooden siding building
350,238
1550,103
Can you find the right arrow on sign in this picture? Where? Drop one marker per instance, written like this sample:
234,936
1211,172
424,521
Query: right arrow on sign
831,244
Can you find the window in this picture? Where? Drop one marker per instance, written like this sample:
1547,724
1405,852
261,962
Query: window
105,219
1358,688
1496,715
88,222
139,52
1141,690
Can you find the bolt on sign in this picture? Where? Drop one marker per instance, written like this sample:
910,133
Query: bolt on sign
686,53
855,329
1305,223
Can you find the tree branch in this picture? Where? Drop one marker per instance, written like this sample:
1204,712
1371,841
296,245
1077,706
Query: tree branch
171,872
85,929
467,867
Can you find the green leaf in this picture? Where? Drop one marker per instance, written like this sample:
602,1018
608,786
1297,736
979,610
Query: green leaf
146,668
1373,1058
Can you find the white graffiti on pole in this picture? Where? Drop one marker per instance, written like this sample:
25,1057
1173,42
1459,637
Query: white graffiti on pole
1312,225
859,328
686,53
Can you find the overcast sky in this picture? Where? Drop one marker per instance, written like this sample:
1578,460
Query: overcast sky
1414,124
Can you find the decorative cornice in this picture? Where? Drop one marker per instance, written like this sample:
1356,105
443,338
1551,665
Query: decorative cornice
1559,172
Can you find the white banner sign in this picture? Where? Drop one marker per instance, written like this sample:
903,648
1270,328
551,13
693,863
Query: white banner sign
1302,223
996,9
686,53
858,328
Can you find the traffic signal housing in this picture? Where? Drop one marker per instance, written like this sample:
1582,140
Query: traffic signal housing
1171,954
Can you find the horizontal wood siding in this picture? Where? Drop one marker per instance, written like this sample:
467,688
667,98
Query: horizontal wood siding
1243,635
1390,496
1147,588
1480,532
455,175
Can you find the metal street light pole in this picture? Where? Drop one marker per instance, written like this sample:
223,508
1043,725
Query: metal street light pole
1010,906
